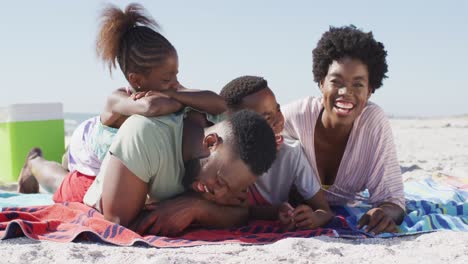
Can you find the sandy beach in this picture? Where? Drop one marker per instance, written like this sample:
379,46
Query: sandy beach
425,147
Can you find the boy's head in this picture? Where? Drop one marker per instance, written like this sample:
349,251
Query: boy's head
253,93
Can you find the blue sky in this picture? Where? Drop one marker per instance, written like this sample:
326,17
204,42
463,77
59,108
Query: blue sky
47,49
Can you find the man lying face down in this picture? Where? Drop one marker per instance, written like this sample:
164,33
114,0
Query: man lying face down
190,172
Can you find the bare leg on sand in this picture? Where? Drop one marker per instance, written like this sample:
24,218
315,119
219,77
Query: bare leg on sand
37,170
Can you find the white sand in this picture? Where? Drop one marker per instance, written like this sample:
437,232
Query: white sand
425,147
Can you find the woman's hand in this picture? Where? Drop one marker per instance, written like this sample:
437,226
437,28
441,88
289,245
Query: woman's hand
377,221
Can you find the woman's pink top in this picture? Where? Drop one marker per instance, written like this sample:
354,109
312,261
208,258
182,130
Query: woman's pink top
369,161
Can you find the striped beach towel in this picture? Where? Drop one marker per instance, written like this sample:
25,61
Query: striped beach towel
435,203
438,202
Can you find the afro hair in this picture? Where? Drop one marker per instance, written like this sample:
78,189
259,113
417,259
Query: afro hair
348,41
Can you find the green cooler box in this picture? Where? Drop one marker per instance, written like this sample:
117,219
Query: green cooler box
24,126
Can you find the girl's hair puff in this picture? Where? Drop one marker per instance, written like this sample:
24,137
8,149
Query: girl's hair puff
130,38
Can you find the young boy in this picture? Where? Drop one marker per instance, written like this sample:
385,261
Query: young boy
269,195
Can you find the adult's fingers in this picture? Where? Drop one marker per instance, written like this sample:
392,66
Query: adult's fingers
146,222
375,220
363,221
381,226
168,228
391,227
135,225
155,229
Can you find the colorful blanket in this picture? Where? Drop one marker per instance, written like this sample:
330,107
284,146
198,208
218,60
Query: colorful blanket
74,221
437,203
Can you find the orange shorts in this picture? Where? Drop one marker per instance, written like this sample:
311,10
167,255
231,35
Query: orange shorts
73,188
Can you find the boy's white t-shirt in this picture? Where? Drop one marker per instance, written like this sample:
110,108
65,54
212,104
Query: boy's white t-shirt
291,167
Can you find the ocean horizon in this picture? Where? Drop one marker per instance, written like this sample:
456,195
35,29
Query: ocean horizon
73,119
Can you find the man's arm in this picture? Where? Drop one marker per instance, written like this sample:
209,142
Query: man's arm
171,217
123,194
210,214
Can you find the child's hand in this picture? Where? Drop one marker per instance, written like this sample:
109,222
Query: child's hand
306,218
137,95
285,216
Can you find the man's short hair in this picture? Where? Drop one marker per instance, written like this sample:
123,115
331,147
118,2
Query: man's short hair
253,139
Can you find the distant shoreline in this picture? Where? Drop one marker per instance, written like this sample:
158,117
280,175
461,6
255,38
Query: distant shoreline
83,116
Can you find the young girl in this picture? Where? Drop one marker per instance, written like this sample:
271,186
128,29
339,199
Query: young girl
150,64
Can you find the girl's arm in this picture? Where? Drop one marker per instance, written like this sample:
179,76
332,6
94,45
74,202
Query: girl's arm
120,105
206,101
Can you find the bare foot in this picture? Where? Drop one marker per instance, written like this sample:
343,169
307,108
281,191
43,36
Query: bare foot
27,183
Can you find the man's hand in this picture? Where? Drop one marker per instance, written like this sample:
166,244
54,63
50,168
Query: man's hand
377,222
168,218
